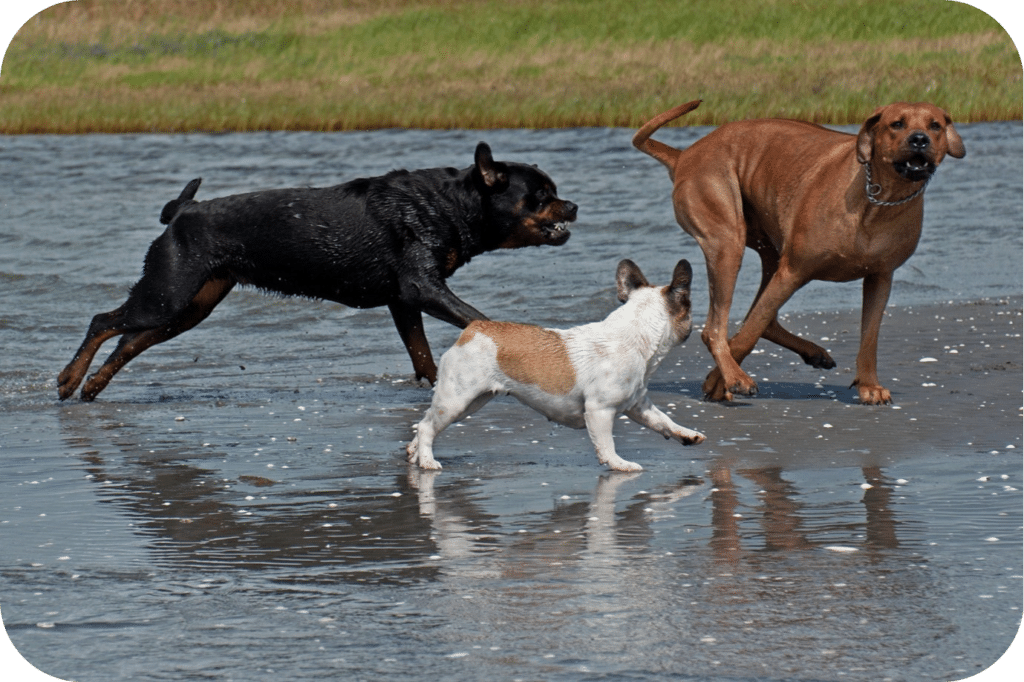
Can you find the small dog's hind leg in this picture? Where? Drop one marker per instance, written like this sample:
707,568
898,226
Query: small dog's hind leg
445,410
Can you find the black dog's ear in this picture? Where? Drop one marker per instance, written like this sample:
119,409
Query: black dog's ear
679,290
627,278
490,172
172,207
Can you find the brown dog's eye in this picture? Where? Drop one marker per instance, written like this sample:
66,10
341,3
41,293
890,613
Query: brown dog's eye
935,125
896,125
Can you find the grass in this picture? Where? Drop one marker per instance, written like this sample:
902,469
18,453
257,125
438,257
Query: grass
172,65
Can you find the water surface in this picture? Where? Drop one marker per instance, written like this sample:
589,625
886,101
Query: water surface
236,504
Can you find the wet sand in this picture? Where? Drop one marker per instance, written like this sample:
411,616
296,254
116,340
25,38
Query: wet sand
241,492
955,373
317,455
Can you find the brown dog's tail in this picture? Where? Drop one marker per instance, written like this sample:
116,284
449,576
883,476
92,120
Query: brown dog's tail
659,150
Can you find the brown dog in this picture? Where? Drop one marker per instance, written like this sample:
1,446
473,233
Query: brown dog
815,204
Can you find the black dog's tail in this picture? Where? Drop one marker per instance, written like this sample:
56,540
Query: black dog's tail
184,199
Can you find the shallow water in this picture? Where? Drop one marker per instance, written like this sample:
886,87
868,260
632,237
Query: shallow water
236,504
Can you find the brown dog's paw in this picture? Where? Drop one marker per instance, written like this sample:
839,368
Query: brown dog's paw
715,389
819,359
874,395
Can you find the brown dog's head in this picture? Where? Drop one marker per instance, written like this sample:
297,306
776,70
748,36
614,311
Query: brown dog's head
912,139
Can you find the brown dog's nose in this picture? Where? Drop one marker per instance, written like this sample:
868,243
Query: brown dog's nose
918,141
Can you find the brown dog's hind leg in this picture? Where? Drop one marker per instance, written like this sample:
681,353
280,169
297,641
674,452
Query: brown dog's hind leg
811,353
134,343
409,322
727,377
783,284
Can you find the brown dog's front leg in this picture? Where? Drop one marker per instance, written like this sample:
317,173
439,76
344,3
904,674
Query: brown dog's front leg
409,322
876,296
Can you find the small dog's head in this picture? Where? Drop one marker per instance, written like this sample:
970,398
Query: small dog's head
521,203
912,138
674,297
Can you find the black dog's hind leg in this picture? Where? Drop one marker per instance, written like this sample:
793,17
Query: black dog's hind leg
133,343
103,327
409,322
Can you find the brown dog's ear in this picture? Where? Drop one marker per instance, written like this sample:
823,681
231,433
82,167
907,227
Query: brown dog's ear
865,138
490,171
679,290
627,278
955,145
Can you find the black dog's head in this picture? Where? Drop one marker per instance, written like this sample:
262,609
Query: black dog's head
521,203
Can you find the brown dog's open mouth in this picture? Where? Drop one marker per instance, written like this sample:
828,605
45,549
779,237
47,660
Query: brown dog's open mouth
915,168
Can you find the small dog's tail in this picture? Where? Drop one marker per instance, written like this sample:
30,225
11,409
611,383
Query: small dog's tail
184,199
659,150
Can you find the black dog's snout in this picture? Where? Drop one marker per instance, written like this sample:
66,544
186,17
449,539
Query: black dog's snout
570,210
918,141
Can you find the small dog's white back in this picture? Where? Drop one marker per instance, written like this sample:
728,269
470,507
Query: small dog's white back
581,377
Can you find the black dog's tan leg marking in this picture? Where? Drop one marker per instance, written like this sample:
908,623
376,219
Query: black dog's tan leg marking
103,327
409,322
134,343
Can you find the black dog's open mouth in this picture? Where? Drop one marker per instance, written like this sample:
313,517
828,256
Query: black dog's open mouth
915,168
555,233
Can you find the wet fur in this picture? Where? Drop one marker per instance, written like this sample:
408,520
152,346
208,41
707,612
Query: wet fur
391,240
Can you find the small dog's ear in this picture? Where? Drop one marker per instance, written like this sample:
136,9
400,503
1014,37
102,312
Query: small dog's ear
865,138
679,290
490,172
627,278
955,145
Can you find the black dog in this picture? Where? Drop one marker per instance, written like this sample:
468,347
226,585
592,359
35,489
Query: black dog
391,240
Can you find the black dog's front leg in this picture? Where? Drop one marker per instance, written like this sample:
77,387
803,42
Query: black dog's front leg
437,300
409,322
427,294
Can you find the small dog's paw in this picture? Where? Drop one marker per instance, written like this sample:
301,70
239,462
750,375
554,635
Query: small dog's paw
623,465
431,464
692,438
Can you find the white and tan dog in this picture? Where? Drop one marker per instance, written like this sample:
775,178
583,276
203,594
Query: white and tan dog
580,377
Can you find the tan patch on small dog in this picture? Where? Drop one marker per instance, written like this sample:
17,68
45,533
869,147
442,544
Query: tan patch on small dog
528,354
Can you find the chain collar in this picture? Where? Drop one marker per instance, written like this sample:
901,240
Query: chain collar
874,190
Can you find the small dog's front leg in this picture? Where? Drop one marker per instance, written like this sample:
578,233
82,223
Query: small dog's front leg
599,426
647,414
